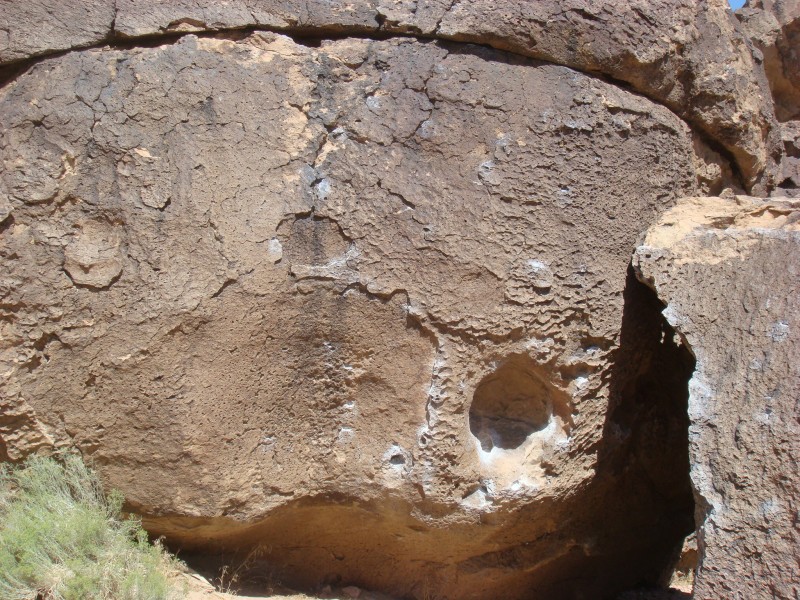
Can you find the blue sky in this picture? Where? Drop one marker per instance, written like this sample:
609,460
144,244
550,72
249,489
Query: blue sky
736,4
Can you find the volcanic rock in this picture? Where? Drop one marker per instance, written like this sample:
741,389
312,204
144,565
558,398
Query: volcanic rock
35,27
774,27
358,302
688,55
347,286
728,271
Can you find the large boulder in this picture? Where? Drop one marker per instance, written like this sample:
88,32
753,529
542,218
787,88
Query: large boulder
359,303
728,271
35,27
774,27
685,54
688,55
790,163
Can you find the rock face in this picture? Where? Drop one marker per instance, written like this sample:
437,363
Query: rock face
790,165
774,26
306,289
362,298
39,27
688,55
729,272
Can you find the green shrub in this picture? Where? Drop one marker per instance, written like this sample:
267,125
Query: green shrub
61,538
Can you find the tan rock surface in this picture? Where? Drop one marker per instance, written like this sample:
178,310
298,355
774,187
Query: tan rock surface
35,27
685,54
364,304
790,163
688,55
728,270
774,26
262,284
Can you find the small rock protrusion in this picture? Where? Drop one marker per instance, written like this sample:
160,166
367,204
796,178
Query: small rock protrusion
5,209
351,591
93,259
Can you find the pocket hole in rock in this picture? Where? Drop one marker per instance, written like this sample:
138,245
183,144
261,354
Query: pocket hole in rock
509,405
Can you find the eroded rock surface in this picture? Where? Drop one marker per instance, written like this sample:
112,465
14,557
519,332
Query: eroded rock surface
688,55
774,26
282,282
729,271
790,163
37,27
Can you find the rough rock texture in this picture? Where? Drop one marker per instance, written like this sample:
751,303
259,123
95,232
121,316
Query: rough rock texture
790,164
362,297
685,54
147,17
35,27
276,280
774,26
729,272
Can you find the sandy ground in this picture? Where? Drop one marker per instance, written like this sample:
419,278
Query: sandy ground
198,587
